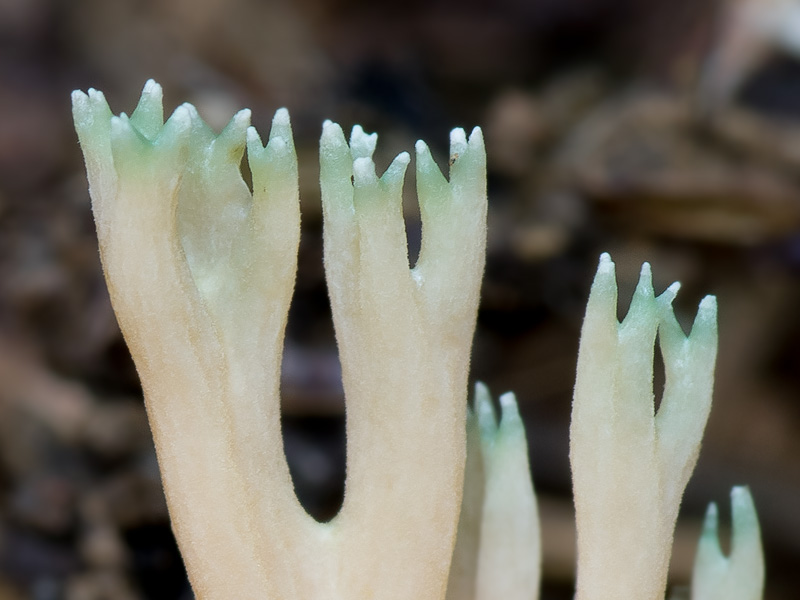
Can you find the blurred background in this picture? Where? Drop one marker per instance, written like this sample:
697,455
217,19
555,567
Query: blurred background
666,131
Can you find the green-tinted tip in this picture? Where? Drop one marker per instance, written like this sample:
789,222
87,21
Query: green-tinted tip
393,177
487,420
426,166
739,576
281,142
606,275
281,119
432,188
362,145
282,127
745,519
476,139
458,143
122,133
510,408
332,142
646,276
81,100
231,142
148,117
254,143
668,296
710,535
240,121
90,109
604,290
182,120
642,313
704,329
707,310
644,288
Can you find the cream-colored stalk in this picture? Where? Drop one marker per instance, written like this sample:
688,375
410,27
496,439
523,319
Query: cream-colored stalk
630,465
740,575
201,273
498,548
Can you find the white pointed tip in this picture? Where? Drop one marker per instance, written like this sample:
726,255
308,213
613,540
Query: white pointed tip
120,125
185,112
740,498
281,117
358,137
332,143
481,389
281,128
744,515
605,265
669,294
458,136
362,145
476,136
707,315
96,95
458,142
152,94
482,396
485,410
253,137
396,172
508,399
184,115
151,88
509,406
241,120
645,285
708,305
80,100
426,166
331,131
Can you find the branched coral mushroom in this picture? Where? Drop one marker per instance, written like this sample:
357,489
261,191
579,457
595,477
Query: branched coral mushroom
438,501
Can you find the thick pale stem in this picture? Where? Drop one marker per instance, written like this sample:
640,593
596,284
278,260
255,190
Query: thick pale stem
404,340
137,185
201,273
629,466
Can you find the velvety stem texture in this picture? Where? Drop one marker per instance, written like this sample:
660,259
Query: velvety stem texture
630,465
498,548
201,272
